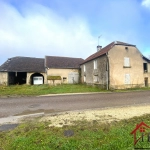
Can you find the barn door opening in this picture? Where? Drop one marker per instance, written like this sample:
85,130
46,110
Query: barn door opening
17,78
73,77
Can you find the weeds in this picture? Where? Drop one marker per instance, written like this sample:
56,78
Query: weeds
87,136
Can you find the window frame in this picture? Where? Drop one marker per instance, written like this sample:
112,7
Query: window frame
127,81
95,64
84,68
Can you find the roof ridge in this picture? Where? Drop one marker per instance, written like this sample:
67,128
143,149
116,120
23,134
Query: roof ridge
105,50
64,57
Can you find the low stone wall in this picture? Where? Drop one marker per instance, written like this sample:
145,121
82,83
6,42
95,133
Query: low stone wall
126,86
56,82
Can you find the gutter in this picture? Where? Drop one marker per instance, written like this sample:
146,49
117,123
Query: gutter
107,70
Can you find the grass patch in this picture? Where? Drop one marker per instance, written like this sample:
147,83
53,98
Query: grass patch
32,90
29,90
87,136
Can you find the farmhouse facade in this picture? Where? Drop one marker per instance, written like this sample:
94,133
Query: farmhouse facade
27,70
118,65
65,67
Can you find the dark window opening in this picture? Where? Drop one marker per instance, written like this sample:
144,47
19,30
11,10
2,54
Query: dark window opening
145,67
64,79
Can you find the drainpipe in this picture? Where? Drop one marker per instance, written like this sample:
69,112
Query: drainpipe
107,70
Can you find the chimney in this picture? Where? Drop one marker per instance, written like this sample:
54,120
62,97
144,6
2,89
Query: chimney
99,48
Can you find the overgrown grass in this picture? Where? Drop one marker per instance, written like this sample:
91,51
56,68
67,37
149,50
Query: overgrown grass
87,136
46,89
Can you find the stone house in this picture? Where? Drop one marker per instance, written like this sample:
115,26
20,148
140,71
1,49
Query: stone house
28,70
118,65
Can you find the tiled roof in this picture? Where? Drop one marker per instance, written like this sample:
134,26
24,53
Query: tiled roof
23,64
62,62
105,50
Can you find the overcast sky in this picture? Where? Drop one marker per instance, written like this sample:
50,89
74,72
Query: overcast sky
36,28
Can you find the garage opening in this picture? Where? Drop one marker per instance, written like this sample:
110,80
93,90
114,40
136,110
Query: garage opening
37,79
17,78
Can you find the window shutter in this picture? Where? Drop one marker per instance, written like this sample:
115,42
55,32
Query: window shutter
84,79
126,62
127,78
84,68
95,64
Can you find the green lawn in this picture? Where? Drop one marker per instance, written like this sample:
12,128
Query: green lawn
28,90
32,90
36,135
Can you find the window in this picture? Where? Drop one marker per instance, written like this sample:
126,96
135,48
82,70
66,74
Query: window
95,79
84,79
127,78
95,64
145,67
126,62
84,68
64,79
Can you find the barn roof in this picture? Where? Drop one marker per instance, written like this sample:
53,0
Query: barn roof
23,64
62,62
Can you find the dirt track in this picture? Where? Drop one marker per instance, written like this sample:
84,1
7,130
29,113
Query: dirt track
103,115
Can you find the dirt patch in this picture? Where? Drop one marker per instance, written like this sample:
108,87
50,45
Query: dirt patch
99,115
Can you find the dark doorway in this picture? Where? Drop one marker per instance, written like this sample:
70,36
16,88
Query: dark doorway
36,75
17,78
146,82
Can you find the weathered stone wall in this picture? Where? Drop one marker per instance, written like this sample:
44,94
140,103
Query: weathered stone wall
118,70
100,72
60,72
147,74
3,78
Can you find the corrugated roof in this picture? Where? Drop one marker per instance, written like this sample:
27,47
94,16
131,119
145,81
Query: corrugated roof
62,62
23,64
105,50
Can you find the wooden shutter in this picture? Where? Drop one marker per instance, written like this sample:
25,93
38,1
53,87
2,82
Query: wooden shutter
127,78
126,62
